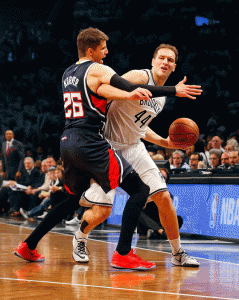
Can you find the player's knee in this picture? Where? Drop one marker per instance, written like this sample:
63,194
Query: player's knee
133,185
163,200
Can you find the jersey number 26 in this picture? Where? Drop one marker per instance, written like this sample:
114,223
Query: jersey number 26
73,105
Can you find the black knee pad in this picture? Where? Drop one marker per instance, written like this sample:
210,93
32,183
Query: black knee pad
133,185
180,221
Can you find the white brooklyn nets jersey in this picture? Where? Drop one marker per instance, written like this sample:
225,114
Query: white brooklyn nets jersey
127,120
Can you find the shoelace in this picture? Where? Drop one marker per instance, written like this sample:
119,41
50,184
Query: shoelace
82,248
34,253
183,254
136,257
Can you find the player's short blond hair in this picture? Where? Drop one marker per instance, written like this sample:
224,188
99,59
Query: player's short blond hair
89,38
167,46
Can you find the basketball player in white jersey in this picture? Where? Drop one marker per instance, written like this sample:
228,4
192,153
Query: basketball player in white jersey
127,123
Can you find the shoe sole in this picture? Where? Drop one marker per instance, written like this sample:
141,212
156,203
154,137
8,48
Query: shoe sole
140,268
19,255
80,261
186,265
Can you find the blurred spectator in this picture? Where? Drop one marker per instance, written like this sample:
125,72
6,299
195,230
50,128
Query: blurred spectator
169,152
215,157
152,149
46,181
37,164
170,159
59,162
225,158
194,160
157,157
201,165
30,178
12,157
144,229
50,162
40,154
216,142
162,151
29,153
233,158
188,151
199,147
231,145
55,195
179,160
234,135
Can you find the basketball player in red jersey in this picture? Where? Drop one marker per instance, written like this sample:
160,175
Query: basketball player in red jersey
85,152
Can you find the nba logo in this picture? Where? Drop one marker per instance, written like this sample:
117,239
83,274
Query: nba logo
213,211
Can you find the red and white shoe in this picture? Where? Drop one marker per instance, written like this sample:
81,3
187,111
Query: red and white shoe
24,252
130,261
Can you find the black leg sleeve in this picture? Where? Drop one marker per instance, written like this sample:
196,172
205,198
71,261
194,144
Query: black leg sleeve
139,193
56,215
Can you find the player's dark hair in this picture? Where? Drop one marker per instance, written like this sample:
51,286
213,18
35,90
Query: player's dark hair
89,38
168,46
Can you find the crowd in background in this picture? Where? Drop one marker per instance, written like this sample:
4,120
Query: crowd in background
33,57
28,182
213,153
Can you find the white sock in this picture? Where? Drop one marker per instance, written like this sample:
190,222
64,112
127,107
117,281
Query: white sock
80,235
175,245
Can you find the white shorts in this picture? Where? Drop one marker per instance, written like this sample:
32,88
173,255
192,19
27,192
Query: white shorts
136,155
139,158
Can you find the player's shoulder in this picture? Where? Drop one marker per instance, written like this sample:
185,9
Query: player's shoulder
99,67
137,76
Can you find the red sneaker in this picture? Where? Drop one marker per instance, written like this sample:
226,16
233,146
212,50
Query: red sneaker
130,261
31,255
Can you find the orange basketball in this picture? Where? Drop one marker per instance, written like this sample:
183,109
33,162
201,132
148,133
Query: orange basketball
183,132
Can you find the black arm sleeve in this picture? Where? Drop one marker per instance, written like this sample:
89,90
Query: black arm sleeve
157,91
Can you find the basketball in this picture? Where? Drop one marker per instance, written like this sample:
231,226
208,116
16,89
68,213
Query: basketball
183,132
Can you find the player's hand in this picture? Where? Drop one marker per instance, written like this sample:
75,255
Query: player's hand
140,94
171,145
189,91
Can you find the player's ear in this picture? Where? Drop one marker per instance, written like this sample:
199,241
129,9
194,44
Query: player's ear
89,52
152,62
174,67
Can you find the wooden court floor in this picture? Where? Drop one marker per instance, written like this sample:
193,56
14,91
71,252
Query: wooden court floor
59,277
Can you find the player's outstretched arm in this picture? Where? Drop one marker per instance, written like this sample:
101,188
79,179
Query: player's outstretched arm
112,93
101,74
189,91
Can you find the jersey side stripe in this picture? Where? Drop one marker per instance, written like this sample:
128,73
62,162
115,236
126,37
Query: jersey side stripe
121,166
120,162
87,95
114,170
